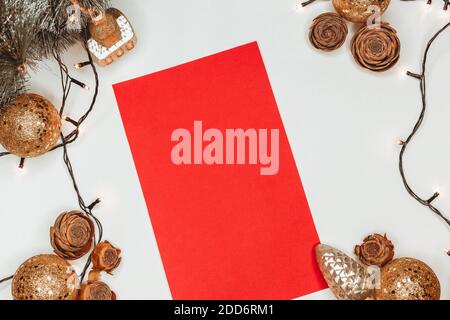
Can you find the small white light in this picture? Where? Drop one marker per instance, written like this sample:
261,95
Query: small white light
402,71
299,7
20,170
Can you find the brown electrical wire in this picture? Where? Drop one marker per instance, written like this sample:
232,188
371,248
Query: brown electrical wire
66,81
66,84
429,2
308,2
6,279
422,77
423,91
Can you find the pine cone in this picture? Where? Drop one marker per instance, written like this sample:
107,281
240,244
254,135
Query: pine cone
95,289
328,31
72,235
376,49
105,257
376,250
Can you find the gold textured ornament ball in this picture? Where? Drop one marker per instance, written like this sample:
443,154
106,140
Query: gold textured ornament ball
359,10
45,277
29,126
408,279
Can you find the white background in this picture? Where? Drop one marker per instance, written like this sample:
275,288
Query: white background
342,123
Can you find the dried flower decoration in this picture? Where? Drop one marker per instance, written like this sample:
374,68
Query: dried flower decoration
375,250
72,235
328,31
95,289
105,257
376,48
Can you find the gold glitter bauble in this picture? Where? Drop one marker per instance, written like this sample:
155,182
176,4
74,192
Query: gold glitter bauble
346,277
45,277
408,279
29,126
358,10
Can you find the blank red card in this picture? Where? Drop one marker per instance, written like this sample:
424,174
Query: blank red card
224,231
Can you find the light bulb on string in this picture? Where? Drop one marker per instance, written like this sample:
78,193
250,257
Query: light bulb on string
441,189
403,71
81,65
70,120
433,197
428,8
20,168
79,83
95,203
444,13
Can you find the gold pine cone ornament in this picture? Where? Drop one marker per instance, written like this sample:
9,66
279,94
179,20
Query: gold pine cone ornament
29,126
359,10
346,277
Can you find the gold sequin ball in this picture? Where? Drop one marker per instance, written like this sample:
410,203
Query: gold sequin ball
45,277
408,279
29,126
359,10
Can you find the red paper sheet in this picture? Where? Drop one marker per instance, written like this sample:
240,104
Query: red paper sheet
223,231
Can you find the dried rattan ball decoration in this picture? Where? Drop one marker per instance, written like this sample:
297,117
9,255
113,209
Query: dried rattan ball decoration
328,32
45,277
376,48
29,126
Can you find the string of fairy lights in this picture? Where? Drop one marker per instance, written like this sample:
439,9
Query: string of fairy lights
67,80
422,77
66,83
404,143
